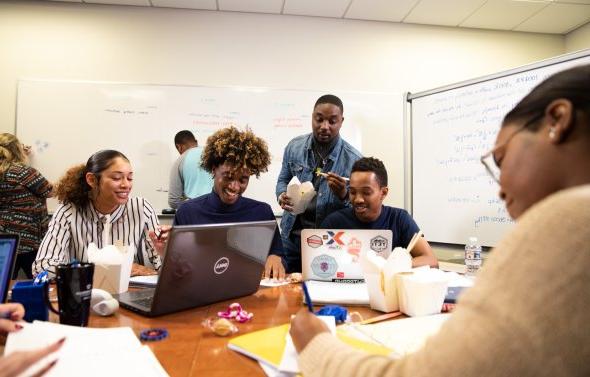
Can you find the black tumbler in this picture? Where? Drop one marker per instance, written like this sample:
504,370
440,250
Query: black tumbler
74,291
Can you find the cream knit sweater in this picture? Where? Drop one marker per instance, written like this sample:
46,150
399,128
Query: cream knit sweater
527,315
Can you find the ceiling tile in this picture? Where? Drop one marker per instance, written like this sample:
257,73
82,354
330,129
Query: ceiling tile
573,1
145,3
68,1
320,8
186,4
438,12
502,14
379,10
254,6
557,18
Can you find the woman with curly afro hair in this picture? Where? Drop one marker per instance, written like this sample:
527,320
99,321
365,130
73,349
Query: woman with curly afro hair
96,207
232,156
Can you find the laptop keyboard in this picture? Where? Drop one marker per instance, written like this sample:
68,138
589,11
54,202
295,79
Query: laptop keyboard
144,298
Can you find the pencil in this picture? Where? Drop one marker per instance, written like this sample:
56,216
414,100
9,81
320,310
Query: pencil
307,298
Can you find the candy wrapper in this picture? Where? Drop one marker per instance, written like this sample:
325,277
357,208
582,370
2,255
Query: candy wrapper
235,311
220,326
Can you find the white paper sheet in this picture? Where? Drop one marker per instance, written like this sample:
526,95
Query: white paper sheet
402,336
289,363
326,292
86,351
144,281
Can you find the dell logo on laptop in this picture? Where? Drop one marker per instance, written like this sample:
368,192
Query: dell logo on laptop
221,265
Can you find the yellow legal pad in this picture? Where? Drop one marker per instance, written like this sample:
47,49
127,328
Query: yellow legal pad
267,345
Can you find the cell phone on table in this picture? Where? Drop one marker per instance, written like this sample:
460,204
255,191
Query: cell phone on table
453,293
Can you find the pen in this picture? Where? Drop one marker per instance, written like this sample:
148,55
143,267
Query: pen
307,298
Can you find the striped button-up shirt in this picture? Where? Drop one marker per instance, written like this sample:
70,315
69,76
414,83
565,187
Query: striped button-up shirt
72,229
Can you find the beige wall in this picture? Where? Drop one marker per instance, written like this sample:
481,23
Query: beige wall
578,39
172,46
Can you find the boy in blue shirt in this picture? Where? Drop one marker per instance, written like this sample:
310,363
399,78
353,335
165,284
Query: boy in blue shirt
232,156
367,190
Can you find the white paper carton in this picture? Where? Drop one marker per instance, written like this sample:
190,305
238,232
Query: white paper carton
380,274
421,292
300,194
112,267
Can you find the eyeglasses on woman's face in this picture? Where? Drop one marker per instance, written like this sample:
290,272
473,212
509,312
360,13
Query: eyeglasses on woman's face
490,160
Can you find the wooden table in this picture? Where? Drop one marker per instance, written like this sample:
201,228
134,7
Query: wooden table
192,350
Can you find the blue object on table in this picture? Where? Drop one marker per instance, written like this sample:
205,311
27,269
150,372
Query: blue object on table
307,298
33,297
336,311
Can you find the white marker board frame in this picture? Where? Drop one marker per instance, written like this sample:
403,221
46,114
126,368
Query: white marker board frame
67,121
448,129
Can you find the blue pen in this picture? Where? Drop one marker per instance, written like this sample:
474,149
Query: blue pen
307,298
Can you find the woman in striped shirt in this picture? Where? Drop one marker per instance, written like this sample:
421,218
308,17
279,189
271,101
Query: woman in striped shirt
92,196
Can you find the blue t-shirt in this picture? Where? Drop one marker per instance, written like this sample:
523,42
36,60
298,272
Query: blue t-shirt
209,209
197,181
400,222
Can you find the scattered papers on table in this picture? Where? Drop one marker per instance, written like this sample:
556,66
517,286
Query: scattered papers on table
86,352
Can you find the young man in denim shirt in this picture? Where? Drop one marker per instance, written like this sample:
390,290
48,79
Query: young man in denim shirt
322,149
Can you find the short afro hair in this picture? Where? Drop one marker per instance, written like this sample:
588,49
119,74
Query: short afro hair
240,149
371,164
331,99
184,137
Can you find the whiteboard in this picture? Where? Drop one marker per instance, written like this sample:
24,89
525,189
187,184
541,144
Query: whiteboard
67,121
452,195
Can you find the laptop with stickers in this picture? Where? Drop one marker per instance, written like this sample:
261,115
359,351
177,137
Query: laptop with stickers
204,264
334,254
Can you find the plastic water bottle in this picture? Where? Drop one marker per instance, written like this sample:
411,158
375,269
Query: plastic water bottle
472,257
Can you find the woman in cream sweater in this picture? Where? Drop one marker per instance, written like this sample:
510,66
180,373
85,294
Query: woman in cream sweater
529,311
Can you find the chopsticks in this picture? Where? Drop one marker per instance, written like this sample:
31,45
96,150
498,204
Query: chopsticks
414,240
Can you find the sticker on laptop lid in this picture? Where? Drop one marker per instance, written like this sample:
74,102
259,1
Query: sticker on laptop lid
324,266
334,240
379,244
314,241
354,247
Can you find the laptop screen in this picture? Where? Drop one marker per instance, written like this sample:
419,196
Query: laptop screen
8,245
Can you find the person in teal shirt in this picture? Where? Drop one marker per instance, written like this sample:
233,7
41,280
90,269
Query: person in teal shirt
187,179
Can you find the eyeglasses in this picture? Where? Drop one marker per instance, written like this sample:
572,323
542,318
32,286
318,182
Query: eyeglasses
489,160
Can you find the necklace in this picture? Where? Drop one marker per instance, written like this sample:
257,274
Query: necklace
319,157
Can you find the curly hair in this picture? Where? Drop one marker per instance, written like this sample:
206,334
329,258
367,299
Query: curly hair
73,188
240,149
374,165
11,152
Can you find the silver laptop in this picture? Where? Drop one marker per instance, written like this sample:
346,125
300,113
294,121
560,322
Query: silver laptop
205,264
334,254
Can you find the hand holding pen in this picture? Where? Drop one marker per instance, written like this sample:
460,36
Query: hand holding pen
159,237
305,325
